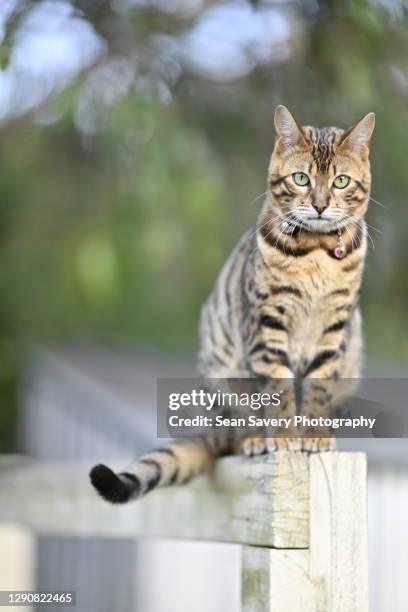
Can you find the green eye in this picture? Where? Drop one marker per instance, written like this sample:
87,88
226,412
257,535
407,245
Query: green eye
341,181
301,179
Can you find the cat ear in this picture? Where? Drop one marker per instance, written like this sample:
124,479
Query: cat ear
359,135
287,127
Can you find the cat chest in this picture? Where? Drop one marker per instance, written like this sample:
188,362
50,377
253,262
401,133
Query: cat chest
306,283
304,297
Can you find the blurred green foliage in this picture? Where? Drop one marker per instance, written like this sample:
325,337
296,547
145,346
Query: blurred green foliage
114,222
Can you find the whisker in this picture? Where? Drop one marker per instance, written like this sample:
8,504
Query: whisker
359,223
259,227
379,203
350,235
291,235
276,242
271,220
371,240
281,233
374,228
289,218
258,197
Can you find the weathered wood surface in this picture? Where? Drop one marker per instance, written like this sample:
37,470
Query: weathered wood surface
338,556
277,581
332,574
261,501
301,520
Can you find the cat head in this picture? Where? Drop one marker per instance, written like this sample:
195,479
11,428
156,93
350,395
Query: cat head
319,178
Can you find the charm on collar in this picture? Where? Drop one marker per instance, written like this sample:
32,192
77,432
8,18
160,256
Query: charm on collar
339,250
286,227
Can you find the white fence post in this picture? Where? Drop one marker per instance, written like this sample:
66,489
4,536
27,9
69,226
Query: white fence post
338,531
332,574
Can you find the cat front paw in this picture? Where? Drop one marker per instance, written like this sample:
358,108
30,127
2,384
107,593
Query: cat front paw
318,445
251,447
283,444
307,445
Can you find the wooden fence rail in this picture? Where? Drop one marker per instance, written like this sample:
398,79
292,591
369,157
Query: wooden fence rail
300,520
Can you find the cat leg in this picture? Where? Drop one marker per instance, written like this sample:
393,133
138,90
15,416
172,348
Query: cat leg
277,378
329,378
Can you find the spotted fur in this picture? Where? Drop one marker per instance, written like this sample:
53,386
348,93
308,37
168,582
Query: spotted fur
283,307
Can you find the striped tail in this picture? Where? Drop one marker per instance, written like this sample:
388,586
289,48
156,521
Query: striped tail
176,463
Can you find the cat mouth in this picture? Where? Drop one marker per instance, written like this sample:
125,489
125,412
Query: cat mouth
317,224
309,222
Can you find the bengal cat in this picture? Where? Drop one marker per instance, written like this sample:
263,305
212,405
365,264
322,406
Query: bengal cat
285,305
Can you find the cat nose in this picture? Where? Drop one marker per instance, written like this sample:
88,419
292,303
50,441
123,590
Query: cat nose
320,205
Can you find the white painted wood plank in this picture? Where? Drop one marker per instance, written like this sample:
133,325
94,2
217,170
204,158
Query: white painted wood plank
309,514
184,576
17,562
276,581
262,501
338,561
331,575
